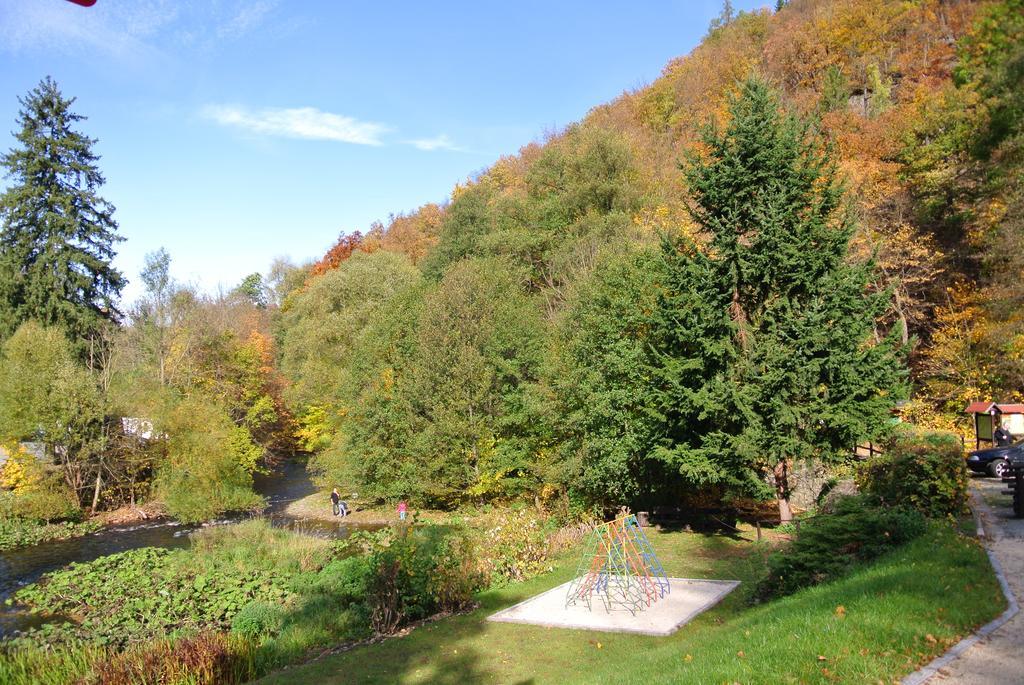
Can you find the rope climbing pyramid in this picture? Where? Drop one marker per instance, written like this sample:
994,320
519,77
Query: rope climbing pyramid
619,566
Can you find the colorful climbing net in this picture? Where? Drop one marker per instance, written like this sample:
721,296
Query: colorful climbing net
619,566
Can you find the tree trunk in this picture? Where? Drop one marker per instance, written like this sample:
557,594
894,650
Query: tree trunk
99,483
781,472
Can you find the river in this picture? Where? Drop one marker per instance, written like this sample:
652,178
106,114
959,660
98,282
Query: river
19,567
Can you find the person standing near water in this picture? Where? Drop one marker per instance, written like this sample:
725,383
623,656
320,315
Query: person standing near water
335,499
402,508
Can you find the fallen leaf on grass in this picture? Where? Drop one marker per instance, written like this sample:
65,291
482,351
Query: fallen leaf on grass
688,658
740,654
840,611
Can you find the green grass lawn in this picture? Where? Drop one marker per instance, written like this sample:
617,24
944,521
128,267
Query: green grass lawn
876,624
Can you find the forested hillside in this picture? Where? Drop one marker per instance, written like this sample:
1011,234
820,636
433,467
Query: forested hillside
495,345
808,222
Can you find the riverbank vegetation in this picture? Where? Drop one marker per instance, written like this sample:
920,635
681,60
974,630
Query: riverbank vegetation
17,532
247,599
273,594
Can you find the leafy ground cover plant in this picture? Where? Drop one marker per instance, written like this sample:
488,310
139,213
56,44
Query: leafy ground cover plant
827,545
143,594
19,532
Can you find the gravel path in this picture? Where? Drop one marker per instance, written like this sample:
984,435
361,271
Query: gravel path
998,658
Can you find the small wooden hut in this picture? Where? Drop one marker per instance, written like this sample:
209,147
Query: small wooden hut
987,416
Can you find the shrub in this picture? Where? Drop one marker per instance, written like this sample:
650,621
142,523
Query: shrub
423,571
204,474
347,580
36,493
513,546
46,505
920,469
828,544
258,620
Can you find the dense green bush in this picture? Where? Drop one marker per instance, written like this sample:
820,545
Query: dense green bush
421,572
258,620
206,472
345,579
920,469
45,505
828,544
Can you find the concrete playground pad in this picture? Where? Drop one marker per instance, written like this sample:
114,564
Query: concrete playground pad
687,599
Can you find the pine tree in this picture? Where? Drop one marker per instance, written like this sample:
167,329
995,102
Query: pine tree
835,92
769,346
58,234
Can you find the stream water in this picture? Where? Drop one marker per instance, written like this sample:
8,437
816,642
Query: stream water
19,567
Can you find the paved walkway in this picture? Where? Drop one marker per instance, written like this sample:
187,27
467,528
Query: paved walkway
998,658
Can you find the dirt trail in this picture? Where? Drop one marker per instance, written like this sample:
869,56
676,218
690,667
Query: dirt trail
998,658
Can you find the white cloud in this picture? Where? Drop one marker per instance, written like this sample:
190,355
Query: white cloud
441,142
300,122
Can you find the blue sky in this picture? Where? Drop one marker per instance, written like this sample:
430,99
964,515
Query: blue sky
234,131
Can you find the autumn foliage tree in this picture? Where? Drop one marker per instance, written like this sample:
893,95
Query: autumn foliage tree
347,244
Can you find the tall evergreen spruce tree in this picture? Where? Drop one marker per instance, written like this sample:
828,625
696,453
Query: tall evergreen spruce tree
769,350
58,234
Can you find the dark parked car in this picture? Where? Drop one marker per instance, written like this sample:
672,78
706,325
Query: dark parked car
995,461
